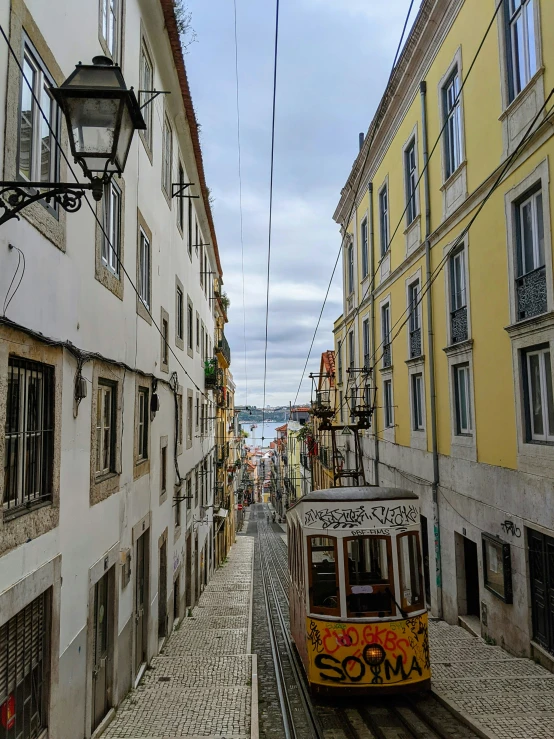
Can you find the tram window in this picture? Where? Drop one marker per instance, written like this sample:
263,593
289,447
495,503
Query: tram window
409,561
369,583
324,584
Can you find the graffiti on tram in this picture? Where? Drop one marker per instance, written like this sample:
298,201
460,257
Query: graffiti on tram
379,653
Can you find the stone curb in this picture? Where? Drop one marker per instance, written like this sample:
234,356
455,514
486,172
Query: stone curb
254,718
463,716
250,609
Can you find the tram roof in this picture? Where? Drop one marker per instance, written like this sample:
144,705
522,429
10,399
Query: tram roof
344,495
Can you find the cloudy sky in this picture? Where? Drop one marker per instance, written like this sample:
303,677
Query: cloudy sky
334,60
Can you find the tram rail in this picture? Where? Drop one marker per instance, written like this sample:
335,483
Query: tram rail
395,717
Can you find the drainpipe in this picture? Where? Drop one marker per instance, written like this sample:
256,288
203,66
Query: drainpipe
431,349
372,323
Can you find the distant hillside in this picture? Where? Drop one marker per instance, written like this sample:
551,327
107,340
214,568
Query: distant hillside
256,416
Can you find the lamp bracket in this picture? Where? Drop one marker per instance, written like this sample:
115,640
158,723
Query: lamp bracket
14,196
154,94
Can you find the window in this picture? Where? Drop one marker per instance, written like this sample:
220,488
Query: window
110,11
200,265
341,403
196,488
167,157
339,352
453,124
202,343
111,239
414,319
385,335
206,277
189,419
181,198
180,418
189,228
417,402
197,424
190,327
387,403
384,220
353,404
539,400
180,314
410,166
177,513
29,437
197,332
163,463
521,44
497,567
365,333
351,354
462,399
144,268
458,298
369,582
531,272
38,154
324,581
143,417
196,237
105,428
146,83
365,264
165,342
409,564
189,492
350,257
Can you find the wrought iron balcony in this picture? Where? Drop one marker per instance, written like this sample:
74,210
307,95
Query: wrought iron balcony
415,343
210,373
387,355
531,294
224,349
458,325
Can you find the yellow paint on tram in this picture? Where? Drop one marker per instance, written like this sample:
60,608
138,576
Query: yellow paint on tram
380,653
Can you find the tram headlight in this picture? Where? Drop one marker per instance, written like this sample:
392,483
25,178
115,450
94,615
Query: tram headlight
374,655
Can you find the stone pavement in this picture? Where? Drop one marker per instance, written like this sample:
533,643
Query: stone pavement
502,696
200,685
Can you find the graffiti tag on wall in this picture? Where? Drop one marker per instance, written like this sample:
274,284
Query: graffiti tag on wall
368,654
355,518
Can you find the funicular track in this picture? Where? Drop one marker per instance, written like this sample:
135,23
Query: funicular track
396,717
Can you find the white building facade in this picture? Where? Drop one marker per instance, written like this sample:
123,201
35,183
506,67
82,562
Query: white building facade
106,513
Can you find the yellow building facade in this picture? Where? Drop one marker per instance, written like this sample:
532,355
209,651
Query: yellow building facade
448,297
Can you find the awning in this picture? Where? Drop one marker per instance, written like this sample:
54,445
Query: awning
222,513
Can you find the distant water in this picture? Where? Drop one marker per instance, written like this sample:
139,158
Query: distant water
255,435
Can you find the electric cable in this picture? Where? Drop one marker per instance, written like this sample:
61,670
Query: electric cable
20,258
272,162
369,148
93,210
240,202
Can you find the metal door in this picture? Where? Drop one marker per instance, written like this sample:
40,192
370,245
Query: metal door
141,604
162,593
188,574
101,637
541,571
472,577
196,571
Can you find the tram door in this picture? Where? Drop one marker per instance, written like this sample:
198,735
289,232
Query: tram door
141,600
101,647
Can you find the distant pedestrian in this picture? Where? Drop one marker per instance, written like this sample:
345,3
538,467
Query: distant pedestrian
273,516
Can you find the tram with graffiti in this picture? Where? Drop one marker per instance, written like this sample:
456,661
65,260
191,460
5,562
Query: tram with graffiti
357,604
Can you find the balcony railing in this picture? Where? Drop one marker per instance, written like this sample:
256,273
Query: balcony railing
458,325
224,349
531,294
210,373
415,343
387,355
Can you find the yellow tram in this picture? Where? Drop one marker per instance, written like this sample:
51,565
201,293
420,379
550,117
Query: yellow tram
357,604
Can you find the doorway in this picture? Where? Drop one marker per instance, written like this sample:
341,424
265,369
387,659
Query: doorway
162,593
425,548
102,648
141,602
471,563
188,573
196,571
176,595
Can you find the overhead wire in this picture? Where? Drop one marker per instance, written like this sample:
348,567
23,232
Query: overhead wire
20,258
93,210
375,128
240,202
272,162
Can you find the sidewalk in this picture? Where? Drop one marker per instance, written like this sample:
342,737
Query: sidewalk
501,696
201,683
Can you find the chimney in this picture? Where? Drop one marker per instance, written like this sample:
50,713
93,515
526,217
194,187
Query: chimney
361,138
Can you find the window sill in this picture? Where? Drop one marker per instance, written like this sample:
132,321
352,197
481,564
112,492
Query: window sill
459,348
414,361
529,325
413,235
386,369
147,147
11,515
454,176
98,478
514,104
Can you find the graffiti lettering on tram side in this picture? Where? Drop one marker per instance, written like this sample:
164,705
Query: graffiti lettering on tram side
370,532
351,518
371,654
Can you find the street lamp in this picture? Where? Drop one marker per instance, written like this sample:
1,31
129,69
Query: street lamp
102,116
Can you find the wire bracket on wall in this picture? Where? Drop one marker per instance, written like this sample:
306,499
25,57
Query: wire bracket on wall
154,94
178,190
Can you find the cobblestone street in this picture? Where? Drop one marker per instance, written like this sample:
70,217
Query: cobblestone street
201,683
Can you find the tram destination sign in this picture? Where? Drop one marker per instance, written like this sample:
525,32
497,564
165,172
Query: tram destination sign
371,516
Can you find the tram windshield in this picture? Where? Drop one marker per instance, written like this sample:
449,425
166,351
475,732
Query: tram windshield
369,587
324,586
410,571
